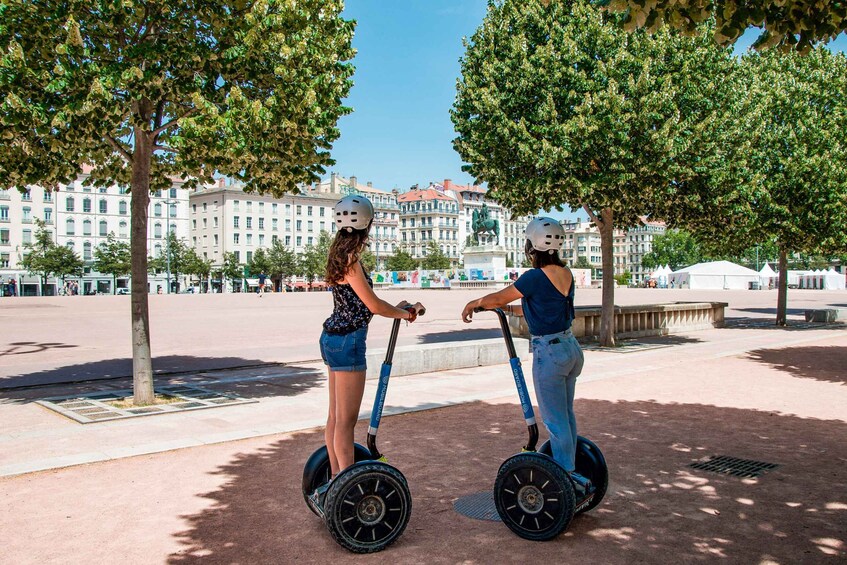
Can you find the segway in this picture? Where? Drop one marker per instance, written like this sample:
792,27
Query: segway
368,505
535,497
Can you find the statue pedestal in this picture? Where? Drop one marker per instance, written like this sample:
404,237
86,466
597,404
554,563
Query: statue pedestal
485,257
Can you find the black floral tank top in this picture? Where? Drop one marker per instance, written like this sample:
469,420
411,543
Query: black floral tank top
349,313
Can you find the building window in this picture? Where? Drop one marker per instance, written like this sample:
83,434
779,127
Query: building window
4,260
321,212
261,206
86,251
157,230
261,240
157,210
122,207
287,225
299,225
216,239
249,222
261,223
308,210
309,225
172,211
26,196
274,224
299,209
249,239
48,196
104,228
235,204
205,223
194,224
274,208
48,215
215,221
205,206
237,256
4,213
235,238
299,241
69,227
104,207
4,237
27,237
122,229
86,205
27,218
249,256
235,221
249,205
172,192
287,240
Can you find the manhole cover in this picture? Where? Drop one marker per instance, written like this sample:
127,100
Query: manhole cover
479,506
726,465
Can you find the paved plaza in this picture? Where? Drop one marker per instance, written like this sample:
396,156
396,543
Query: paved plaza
222,485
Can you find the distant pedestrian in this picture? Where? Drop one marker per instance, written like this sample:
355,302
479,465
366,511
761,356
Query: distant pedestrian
262,277
13,287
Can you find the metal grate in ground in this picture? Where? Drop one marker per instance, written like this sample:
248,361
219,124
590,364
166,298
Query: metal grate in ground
725,465
94,407
479,506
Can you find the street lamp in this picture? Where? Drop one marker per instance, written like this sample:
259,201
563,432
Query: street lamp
168,203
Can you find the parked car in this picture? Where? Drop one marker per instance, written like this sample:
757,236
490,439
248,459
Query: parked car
123,290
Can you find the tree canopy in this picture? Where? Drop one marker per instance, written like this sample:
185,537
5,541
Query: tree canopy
44,258
558,105
435,258
401,260
112,257
788,24
145,92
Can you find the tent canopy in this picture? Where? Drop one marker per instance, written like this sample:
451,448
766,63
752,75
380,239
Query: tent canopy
714,275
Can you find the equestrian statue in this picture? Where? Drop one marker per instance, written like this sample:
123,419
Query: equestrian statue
482,225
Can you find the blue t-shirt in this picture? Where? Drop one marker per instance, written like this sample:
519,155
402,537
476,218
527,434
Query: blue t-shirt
547,311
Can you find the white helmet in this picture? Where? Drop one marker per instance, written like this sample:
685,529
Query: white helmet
545,234
354,213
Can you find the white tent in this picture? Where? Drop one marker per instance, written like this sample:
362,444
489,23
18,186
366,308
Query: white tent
768,277
833,280
714,275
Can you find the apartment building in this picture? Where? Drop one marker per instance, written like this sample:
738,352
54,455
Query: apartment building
385,232
582,239
82,217
430,214
639,242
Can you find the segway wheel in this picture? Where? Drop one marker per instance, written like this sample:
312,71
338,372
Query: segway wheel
317,470
534,496
591,464
368,506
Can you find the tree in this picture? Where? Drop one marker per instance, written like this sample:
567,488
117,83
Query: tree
175,260
146,91
282,262
259,263
799,154
112,257
231,269
45,259
197,266
312,262
676,248
368,261
557,105
435,258
789,24
624,278
401,260
582,263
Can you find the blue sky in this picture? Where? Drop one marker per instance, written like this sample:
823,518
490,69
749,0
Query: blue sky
400,132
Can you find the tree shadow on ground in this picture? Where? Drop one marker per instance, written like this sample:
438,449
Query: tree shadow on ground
461,335
742,323
29,347
822,363
772,311
657,509
255,379
122,367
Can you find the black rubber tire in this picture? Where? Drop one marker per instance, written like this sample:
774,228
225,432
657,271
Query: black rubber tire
316,471
368,506
590,463
534,496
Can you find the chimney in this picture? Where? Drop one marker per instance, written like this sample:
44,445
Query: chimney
333,180
448,184
370,184
353,182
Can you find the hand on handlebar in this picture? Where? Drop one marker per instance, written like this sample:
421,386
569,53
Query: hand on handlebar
416,309
470,308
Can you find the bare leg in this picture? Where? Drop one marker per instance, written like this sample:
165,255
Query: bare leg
329,433
349,388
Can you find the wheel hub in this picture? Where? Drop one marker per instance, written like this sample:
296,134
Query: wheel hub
530,499
371,509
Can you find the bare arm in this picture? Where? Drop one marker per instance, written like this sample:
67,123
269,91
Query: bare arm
356,279
494,300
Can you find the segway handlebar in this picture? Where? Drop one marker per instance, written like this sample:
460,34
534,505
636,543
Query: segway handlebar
520,382
382,386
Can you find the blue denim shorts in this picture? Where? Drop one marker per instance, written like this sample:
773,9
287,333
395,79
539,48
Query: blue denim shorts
345,352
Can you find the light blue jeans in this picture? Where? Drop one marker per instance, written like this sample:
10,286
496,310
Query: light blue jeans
557,361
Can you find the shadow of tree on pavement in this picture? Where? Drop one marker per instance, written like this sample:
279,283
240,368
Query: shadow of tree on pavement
821,363
658,509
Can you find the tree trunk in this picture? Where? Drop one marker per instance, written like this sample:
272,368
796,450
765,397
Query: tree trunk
142,363
607,315
782,296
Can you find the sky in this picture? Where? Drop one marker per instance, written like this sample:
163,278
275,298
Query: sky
407,64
